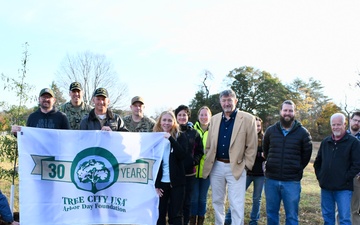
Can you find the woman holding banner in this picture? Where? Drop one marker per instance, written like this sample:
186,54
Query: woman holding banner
170,181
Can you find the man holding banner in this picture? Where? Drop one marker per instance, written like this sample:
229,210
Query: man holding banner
47,116
101,117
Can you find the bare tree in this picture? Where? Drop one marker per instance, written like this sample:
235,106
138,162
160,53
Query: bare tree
92,71
207,76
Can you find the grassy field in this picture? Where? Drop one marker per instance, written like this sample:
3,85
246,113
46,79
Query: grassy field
309,214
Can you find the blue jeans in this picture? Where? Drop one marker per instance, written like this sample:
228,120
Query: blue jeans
342,199
199,196
289,193
256,197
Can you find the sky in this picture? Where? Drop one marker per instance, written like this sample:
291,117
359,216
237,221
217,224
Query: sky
160,49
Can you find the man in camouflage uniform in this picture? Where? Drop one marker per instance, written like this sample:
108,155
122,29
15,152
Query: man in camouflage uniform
76,108
137,122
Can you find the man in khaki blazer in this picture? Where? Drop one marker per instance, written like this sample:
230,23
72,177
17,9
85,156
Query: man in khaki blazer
230,149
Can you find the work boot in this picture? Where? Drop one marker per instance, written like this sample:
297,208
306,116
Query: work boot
192,220
200,220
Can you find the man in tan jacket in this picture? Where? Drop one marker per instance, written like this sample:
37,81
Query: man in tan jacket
230,149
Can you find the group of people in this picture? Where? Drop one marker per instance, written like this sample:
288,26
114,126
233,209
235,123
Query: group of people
181,165
337,168
227,151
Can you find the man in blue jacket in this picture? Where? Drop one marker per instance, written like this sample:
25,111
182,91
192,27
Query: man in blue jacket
5,211
287,149
336,164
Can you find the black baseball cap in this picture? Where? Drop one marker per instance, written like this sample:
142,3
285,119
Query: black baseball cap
75,86
137,99
102,92
47,91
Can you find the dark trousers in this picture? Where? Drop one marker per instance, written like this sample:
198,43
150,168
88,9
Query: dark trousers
189,187
173,197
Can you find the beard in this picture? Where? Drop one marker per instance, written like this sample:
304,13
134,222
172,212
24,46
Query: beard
45,105
337,133
228,109
355,127
286,121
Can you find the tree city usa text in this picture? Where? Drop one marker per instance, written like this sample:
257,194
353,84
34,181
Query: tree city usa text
94,202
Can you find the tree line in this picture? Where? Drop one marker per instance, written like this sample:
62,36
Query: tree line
259,93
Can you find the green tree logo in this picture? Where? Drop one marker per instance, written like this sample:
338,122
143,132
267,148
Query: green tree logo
93,172
94,169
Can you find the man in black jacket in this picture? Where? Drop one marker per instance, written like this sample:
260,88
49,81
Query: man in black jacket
287,148
101,117
47,116
336,165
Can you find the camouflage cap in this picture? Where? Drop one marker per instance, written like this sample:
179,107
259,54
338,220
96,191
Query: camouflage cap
137,99
47,91
75,86
102,92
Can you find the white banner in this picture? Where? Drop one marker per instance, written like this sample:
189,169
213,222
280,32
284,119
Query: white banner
88,177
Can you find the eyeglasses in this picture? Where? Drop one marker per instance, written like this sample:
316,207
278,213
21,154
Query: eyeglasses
355,120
